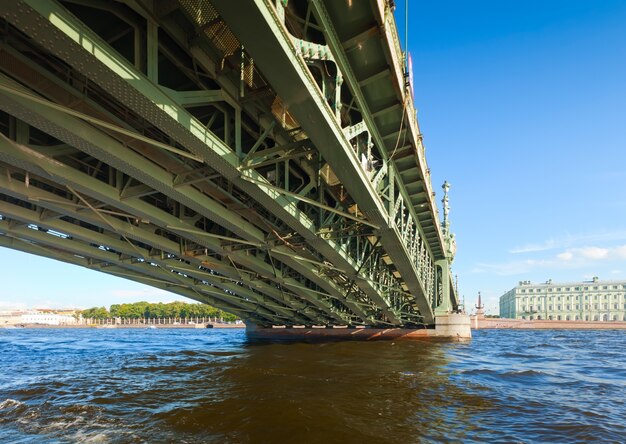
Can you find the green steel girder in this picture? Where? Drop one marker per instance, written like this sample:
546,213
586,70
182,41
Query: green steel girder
266,39
337,47
41,250
103,146
93,188
418,169
55,204
330,251
410,171
59,32
167,114
131,250
72,246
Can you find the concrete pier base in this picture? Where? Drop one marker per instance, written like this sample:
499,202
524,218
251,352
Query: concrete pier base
455,326
450,327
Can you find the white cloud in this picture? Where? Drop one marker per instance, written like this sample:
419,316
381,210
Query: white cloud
565,256
510,268
533,248
570,240
568,259
594,253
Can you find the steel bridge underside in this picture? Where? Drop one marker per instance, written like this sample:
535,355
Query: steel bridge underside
262,157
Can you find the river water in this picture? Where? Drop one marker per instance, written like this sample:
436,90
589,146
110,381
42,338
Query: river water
213,386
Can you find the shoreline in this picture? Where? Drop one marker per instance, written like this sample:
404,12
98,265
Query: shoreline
480,322
126,326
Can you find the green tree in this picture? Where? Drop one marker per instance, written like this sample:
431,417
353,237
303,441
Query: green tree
96,313
144,309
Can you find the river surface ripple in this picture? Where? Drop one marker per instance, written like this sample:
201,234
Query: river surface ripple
213,386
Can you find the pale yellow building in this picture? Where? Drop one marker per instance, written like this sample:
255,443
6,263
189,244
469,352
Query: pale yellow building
593,300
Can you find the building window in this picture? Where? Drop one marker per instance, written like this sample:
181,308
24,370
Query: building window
558,289
539,317
605,317
558,318
615,317
523,291
586,317
576,306
550,307
576,317
550,317
567,318
605,287
539,307
606,306
569,307
596,318
615,306
595,306
531,318
559,307
567,289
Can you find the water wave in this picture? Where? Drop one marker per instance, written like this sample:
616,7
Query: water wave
211,386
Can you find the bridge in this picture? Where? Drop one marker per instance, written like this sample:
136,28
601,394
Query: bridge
263,156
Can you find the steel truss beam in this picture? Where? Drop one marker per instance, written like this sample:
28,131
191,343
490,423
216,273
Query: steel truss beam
130,252
266,38
102,258
129,86
61,206
44,251
65,176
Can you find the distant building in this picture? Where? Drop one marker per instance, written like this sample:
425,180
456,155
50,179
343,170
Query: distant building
567,301
41,316
48,319
10,317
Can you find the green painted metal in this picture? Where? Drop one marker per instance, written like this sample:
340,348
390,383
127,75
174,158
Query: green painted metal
164,103
248,183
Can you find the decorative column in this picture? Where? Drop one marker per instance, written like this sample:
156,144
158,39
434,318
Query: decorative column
443,275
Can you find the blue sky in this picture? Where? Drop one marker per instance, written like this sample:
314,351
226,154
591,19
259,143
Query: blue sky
523,109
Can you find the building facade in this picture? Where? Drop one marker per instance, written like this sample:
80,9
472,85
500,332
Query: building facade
566,301
43,317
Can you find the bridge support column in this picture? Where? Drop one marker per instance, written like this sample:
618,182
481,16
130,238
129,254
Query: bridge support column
453,326
442,289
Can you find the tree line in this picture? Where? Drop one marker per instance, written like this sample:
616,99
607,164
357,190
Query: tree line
141,310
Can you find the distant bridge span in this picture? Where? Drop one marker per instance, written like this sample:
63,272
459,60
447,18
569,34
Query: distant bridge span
262,156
